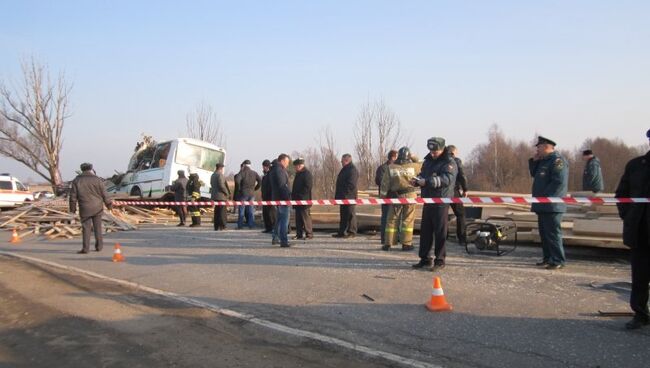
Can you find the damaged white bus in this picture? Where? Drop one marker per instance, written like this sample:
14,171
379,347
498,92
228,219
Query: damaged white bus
154,166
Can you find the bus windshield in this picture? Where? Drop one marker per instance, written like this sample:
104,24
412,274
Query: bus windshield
197,156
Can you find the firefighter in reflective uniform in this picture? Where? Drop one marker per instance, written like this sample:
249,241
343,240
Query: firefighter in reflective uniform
194,191
396,183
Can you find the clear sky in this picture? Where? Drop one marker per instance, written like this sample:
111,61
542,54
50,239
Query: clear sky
277,72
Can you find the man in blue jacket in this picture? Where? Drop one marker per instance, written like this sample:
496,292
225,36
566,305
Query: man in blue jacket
437,179
550,173
592,177
280,192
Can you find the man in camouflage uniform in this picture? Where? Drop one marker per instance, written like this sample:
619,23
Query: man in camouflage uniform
397,181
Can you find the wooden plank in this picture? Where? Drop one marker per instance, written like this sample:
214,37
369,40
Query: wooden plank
596,228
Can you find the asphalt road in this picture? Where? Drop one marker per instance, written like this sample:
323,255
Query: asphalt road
506,311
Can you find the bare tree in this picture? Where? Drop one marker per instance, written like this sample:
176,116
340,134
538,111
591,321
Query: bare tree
363,144
203,124
32,117
377,130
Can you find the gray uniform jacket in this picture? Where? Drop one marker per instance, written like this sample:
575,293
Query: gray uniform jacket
550,179
88,191
440,176
592,177
219,190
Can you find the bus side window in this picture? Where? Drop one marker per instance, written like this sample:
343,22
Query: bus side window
160,156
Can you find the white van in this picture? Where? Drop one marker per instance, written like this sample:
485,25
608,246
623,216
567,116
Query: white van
12,192
154,166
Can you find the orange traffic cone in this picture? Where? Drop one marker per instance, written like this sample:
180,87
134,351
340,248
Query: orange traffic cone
117,253
438,303
14,237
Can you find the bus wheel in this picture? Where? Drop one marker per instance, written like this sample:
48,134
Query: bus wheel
136,192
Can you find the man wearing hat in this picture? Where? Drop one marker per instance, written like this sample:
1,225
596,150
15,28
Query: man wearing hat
247,182
592,177
268,212
301,191
180,195
550,173
635,183
88,191
437,179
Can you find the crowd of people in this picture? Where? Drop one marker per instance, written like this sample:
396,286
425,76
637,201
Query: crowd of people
439,175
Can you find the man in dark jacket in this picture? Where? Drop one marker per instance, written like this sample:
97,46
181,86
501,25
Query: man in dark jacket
247,181
268,212
193,189
88,191
635,183
592,177
437,180
280,192
301,191
379,174
460,190
346,188
180,195
219,191
550,172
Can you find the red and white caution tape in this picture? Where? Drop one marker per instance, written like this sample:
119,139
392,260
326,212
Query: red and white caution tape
378,201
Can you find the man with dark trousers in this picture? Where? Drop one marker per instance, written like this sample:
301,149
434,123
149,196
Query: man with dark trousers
301,191
280,191
268,212
180,195
550,173
635,183
219,191
437,180
379,175
247,183
460,190
592,176
88,191
346,188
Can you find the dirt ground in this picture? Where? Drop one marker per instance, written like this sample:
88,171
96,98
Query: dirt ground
54,318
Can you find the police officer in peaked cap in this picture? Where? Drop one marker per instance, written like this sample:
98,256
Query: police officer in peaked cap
550,173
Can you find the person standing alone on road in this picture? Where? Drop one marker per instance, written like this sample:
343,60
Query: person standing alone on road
592,177
635,183
268,212
180,195
281,192
301,191
460,190
219,191
437,180
346,188
247,182
379,174
88,191
550,174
